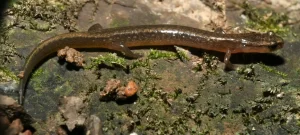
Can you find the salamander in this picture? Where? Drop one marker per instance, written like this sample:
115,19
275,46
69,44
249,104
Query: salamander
121,38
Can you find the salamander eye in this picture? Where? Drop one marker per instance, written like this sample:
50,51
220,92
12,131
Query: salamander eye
270,33
273,43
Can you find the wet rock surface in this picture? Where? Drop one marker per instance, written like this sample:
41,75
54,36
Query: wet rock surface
175,96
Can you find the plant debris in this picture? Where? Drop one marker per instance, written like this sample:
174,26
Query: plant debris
114,91
71,55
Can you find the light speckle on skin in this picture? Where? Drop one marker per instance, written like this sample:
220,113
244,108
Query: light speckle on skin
244,42
133,133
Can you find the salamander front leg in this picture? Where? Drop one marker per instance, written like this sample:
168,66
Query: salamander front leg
228,65
127,52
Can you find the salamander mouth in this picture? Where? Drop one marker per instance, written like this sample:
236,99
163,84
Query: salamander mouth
275,46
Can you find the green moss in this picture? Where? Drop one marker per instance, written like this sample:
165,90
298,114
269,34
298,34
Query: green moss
139,63
183,54
39,79
40,26
7,49
110,59
64,13
246,71
65,89
155,111
264,19
269,69
119,22
143,69
11,3
157,54
37,72
6,75
208,63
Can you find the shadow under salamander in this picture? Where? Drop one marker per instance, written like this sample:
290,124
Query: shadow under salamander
268,59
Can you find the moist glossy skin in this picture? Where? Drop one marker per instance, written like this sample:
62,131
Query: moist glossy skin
119,39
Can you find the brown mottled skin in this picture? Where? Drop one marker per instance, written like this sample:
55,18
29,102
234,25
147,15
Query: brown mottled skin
122,38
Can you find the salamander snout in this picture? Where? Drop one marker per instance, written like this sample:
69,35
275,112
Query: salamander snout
276,42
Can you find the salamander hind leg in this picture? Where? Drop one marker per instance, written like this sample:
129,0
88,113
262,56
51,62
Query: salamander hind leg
228,64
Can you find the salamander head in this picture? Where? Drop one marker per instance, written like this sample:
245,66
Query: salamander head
273,41
261,43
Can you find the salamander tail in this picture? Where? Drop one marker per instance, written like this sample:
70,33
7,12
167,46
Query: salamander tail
21,96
